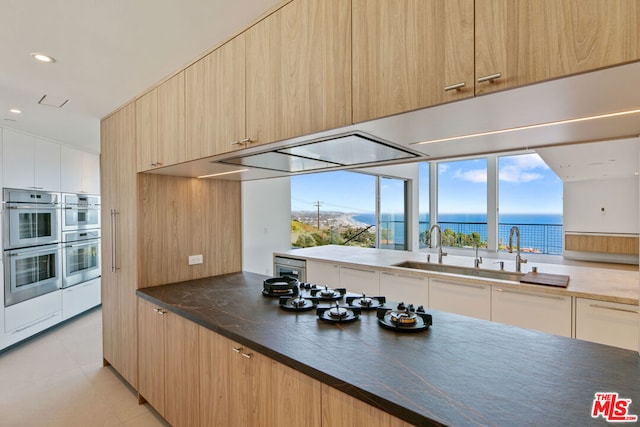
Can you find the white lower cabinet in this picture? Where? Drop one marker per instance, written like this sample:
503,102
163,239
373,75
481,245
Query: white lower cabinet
360,280
323,273
29,317
80,298
468,299
408,289
607,323
541,312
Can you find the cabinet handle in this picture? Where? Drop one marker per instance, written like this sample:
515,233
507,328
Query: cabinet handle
245,141
490,78
606,307
159,311
464,285
114,241
37,188
531,294
158,164
401,275
359,269
456,86
237,349
35,323
235,142
246,355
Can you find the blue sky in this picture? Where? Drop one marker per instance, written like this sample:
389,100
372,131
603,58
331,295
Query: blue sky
527,185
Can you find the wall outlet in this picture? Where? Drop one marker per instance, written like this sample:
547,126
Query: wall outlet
195,259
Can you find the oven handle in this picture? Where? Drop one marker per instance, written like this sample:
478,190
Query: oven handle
87,242
52,248
42,206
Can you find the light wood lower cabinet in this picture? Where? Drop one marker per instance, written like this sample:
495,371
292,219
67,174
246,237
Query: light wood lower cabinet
607,323
241,387
532,310
168,365
342,410
408,289
468,299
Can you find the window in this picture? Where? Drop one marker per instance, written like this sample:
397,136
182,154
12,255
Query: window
530,197
423,203
462,202
392,213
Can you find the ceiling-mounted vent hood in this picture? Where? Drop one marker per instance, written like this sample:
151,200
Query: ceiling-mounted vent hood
338,151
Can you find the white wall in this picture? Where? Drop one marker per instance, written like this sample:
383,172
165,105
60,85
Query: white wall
584,202
266,222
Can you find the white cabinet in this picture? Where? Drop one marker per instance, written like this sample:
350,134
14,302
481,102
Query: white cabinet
360,280
80,171
30,162
409,289
323,273
31,316
533,310
80,298
468,299
607,323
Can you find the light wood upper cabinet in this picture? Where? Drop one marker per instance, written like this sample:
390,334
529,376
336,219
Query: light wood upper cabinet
406,53
160,125
527,41
215,101
299,70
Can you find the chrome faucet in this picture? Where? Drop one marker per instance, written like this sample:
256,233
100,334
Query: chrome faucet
478,260
519,259
440,253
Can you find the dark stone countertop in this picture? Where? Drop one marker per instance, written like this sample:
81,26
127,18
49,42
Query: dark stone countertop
461,372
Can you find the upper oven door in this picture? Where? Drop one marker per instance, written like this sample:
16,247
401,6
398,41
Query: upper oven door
80,212
30,224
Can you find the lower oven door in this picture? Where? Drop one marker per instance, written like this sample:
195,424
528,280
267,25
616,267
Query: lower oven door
31,272
81,261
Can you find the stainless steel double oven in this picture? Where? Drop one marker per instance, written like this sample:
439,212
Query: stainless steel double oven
50,242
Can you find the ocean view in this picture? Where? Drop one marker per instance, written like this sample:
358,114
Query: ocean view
538,232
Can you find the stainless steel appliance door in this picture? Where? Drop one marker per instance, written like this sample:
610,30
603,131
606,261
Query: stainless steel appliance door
30,225
31,272
79,218
81,261
289,267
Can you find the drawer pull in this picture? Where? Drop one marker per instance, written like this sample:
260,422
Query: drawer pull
490,78
401,275
237,349
626,310
531,294
359,269
464,285
456,86
246,355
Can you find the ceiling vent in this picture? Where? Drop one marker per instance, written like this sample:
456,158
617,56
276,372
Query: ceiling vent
52,101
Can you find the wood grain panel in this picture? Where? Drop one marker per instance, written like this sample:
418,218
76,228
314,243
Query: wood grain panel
214,360
530,41
119,195
147,130
342,410
406,51
188,216
622,245
215,101
299,70
151,355
181,371
171,116
287,387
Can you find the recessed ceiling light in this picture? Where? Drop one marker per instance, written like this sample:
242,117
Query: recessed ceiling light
15,111
43,58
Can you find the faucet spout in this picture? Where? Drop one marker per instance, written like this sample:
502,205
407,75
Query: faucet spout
440,253
519,260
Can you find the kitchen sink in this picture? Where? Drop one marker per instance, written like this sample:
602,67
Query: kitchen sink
465,271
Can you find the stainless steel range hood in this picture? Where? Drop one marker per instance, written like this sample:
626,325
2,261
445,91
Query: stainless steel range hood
337,151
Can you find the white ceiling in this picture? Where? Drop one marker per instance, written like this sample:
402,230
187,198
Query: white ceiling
107,52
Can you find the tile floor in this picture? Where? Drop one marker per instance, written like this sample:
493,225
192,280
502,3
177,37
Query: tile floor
57,379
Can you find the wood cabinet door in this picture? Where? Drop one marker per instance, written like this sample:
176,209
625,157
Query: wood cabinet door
341,410
250,386
181,371
407,52
119,242
215,101
171,147
289,388
147,130
527,41
151,354
299,70
214,359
